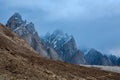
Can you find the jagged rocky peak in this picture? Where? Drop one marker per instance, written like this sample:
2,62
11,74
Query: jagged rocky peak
57,37
59,34
30,27
19,26
113,59
17,17
94,57
65,46
63,43
15,21
24,29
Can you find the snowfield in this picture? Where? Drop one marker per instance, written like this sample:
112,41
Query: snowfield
106,68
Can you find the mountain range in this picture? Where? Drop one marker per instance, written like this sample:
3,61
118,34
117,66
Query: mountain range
19,61
57,45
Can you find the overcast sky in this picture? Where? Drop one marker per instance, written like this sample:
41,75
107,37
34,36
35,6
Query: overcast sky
93,23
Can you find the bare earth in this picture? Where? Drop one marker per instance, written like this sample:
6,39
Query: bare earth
18,61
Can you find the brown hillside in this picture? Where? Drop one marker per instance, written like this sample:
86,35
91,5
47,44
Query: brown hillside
18,61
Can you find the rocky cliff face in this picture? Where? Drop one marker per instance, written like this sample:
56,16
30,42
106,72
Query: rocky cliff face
27,31
96,58
65,46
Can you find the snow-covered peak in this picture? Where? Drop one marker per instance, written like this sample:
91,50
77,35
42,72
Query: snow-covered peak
58,37
63,43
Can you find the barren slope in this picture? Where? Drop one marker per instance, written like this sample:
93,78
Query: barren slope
18,61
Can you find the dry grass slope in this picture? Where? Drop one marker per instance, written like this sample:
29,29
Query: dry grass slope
18,61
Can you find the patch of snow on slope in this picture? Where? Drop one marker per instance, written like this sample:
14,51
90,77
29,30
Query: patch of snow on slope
106,68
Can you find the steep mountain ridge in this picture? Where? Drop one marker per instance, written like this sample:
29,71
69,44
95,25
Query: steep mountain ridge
94,57
65,46
27,32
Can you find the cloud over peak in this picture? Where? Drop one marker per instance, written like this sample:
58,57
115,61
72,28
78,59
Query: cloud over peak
59,9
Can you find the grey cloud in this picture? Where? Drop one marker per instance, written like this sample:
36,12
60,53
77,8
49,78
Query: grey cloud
59,9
